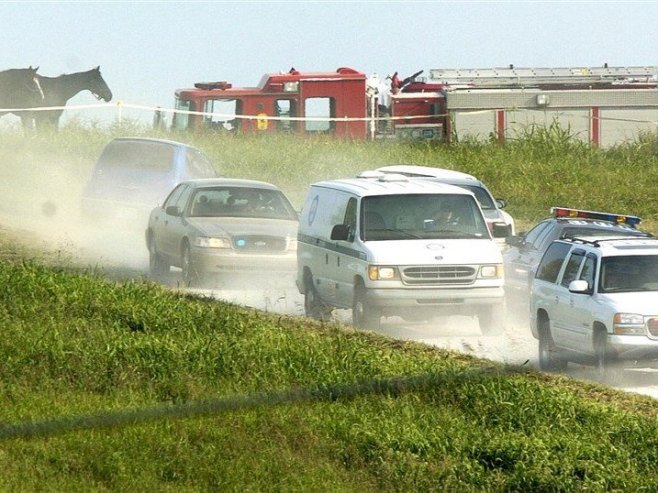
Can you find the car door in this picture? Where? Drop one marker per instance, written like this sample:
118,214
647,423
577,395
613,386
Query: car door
522,259
173,225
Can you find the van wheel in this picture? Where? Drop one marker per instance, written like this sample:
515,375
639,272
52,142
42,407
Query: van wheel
492,320
549,355
313,306
189,274
157,265
364,316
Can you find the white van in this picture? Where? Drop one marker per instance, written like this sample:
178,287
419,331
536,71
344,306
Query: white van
386,245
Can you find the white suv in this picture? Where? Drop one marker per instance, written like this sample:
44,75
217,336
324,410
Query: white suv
595,299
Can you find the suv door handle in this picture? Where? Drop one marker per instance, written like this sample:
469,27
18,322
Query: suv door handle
557,300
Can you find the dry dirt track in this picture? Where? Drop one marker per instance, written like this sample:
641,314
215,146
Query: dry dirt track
119,250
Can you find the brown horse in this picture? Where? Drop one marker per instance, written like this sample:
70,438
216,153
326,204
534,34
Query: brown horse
58,90
20,88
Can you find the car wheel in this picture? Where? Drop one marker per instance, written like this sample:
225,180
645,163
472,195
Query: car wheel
364,316
492,320
157,265
189,272
313,306
549,355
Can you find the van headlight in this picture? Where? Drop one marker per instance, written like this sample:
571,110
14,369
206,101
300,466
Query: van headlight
630,324
493,271
382,273
210,242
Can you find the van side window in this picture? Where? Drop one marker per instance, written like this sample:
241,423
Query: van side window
350,217
551,262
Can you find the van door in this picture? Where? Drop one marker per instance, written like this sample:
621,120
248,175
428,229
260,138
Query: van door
346,257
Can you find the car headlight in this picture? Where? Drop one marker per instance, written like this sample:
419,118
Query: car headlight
494,271
209,242
382,273
630,324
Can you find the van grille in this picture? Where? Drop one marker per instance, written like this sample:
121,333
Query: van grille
259,244
652,325
428,275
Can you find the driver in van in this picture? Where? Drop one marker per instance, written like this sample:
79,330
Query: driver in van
442,218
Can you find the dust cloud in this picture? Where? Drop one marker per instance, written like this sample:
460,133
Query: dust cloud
41,203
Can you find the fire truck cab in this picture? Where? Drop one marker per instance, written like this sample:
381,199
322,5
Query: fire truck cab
307,103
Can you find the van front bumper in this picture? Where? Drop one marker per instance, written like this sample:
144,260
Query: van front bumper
387,299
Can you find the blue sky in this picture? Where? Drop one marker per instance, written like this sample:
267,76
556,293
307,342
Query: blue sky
148,49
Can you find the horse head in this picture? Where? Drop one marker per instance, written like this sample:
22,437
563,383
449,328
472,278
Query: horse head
97,85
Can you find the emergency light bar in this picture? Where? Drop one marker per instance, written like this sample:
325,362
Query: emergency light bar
603,216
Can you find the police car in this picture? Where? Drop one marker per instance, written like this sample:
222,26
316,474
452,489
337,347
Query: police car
595,299
525,250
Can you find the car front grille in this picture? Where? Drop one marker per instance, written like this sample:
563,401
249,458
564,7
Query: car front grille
259,244
434,275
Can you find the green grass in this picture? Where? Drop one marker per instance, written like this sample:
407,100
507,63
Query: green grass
297,405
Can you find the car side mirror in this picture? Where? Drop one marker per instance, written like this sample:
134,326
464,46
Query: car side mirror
173,210
579,286
501,230
340,232
502,203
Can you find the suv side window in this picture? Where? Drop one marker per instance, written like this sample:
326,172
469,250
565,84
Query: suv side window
588,271
572,268
550,264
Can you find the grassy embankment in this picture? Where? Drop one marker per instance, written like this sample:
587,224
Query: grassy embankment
270,403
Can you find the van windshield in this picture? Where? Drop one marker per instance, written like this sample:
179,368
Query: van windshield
629,273
421,216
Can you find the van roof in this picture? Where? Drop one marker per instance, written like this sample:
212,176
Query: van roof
390,185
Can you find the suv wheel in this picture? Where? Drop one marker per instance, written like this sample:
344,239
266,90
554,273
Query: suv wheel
605,359
549,355
364,316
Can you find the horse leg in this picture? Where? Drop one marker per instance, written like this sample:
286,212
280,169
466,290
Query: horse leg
27,119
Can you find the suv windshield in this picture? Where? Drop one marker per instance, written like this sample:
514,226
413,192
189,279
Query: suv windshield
426,216
629,273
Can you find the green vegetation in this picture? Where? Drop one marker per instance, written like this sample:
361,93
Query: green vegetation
298,405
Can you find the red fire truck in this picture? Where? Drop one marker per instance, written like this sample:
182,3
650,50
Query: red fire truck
602,104
344,103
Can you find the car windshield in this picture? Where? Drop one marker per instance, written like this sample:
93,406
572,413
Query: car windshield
241,202
422,216
629,273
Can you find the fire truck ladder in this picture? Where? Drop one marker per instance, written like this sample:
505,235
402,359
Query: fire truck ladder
509,76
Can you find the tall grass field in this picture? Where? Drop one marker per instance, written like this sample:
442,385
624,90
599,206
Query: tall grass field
129,386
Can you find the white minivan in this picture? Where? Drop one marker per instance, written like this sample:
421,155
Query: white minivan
385,245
